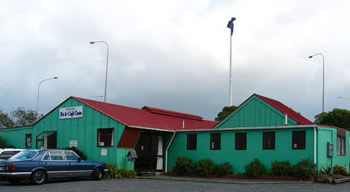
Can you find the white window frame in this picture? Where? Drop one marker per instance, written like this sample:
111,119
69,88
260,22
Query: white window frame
340,145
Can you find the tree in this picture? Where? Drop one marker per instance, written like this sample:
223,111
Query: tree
23,117
225,111
337,117
18,117
5,120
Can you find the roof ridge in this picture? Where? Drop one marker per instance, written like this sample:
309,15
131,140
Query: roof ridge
143,117
105,103
171,113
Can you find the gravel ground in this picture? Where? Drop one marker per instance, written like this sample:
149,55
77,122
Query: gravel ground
146,185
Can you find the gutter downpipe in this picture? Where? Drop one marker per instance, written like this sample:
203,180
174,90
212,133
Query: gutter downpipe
315,143
166,152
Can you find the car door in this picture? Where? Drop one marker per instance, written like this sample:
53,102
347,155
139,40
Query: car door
57,165
76,167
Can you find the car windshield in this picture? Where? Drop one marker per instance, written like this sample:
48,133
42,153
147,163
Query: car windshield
24,155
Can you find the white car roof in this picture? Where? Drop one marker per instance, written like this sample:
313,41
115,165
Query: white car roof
9,149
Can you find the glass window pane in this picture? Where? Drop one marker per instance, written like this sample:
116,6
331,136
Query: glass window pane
105,137
70,156
192,141
56,156
46,157
215,141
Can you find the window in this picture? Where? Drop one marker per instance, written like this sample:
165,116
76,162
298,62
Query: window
269,140
191,141
241,141
215,141
56,156
105,137
28,141
70,156
298,138
25,155
340,145
46,157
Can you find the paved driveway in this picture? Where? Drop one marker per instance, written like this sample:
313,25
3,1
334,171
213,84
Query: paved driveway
146,185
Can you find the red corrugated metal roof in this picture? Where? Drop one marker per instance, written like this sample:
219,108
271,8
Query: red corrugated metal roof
149,117
301,120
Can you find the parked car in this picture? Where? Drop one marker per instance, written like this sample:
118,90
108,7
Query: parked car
9,152
41,165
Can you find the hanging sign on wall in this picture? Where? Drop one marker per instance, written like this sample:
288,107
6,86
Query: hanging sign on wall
70,112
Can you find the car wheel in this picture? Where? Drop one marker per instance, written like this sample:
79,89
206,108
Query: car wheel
38,177
97,174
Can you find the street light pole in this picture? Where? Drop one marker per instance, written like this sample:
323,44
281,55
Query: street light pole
93,42
37,99
323,78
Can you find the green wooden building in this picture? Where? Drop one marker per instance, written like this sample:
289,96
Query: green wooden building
265,129
260,128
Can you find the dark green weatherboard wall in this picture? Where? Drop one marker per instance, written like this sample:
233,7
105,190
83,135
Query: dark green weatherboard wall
254,113
15,136
83,130
325,135
239,158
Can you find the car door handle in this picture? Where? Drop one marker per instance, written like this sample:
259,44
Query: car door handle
69,163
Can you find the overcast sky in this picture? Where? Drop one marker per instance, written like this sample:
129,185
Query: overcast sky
175,54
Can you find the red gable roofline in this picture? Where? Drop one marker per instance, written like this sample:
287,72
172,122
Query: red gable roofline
301,120
171,113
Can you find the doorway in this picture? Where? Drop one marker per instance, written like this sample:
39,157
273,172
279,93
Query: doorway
150,152
46,140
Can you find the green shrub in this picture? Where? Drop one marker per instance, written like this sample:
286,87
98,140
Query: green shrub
281,168
77,151
204,167
304,169
322,178
255,168
113,172
2,142
126,173
183,166
340,170
222,169
326,170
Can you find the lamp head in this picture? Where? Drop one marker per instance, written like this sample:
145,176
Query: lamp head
55,77
310,56
92,42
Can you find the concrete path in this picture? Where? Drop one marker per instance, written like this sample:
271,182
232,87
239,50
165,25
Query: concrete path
219,180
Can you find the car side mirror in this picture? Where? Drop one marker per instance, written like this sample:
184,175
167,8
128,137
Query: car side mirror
79,159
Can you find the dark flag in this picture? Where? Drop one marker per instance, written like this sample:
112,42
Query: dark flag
230,24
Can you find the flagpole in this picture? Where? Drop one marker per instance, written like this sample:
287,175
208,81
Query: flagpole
230,80
230,25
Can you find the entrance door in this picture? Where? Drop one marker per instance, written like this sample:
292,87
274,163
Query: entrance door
46,140
51,141
149,149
